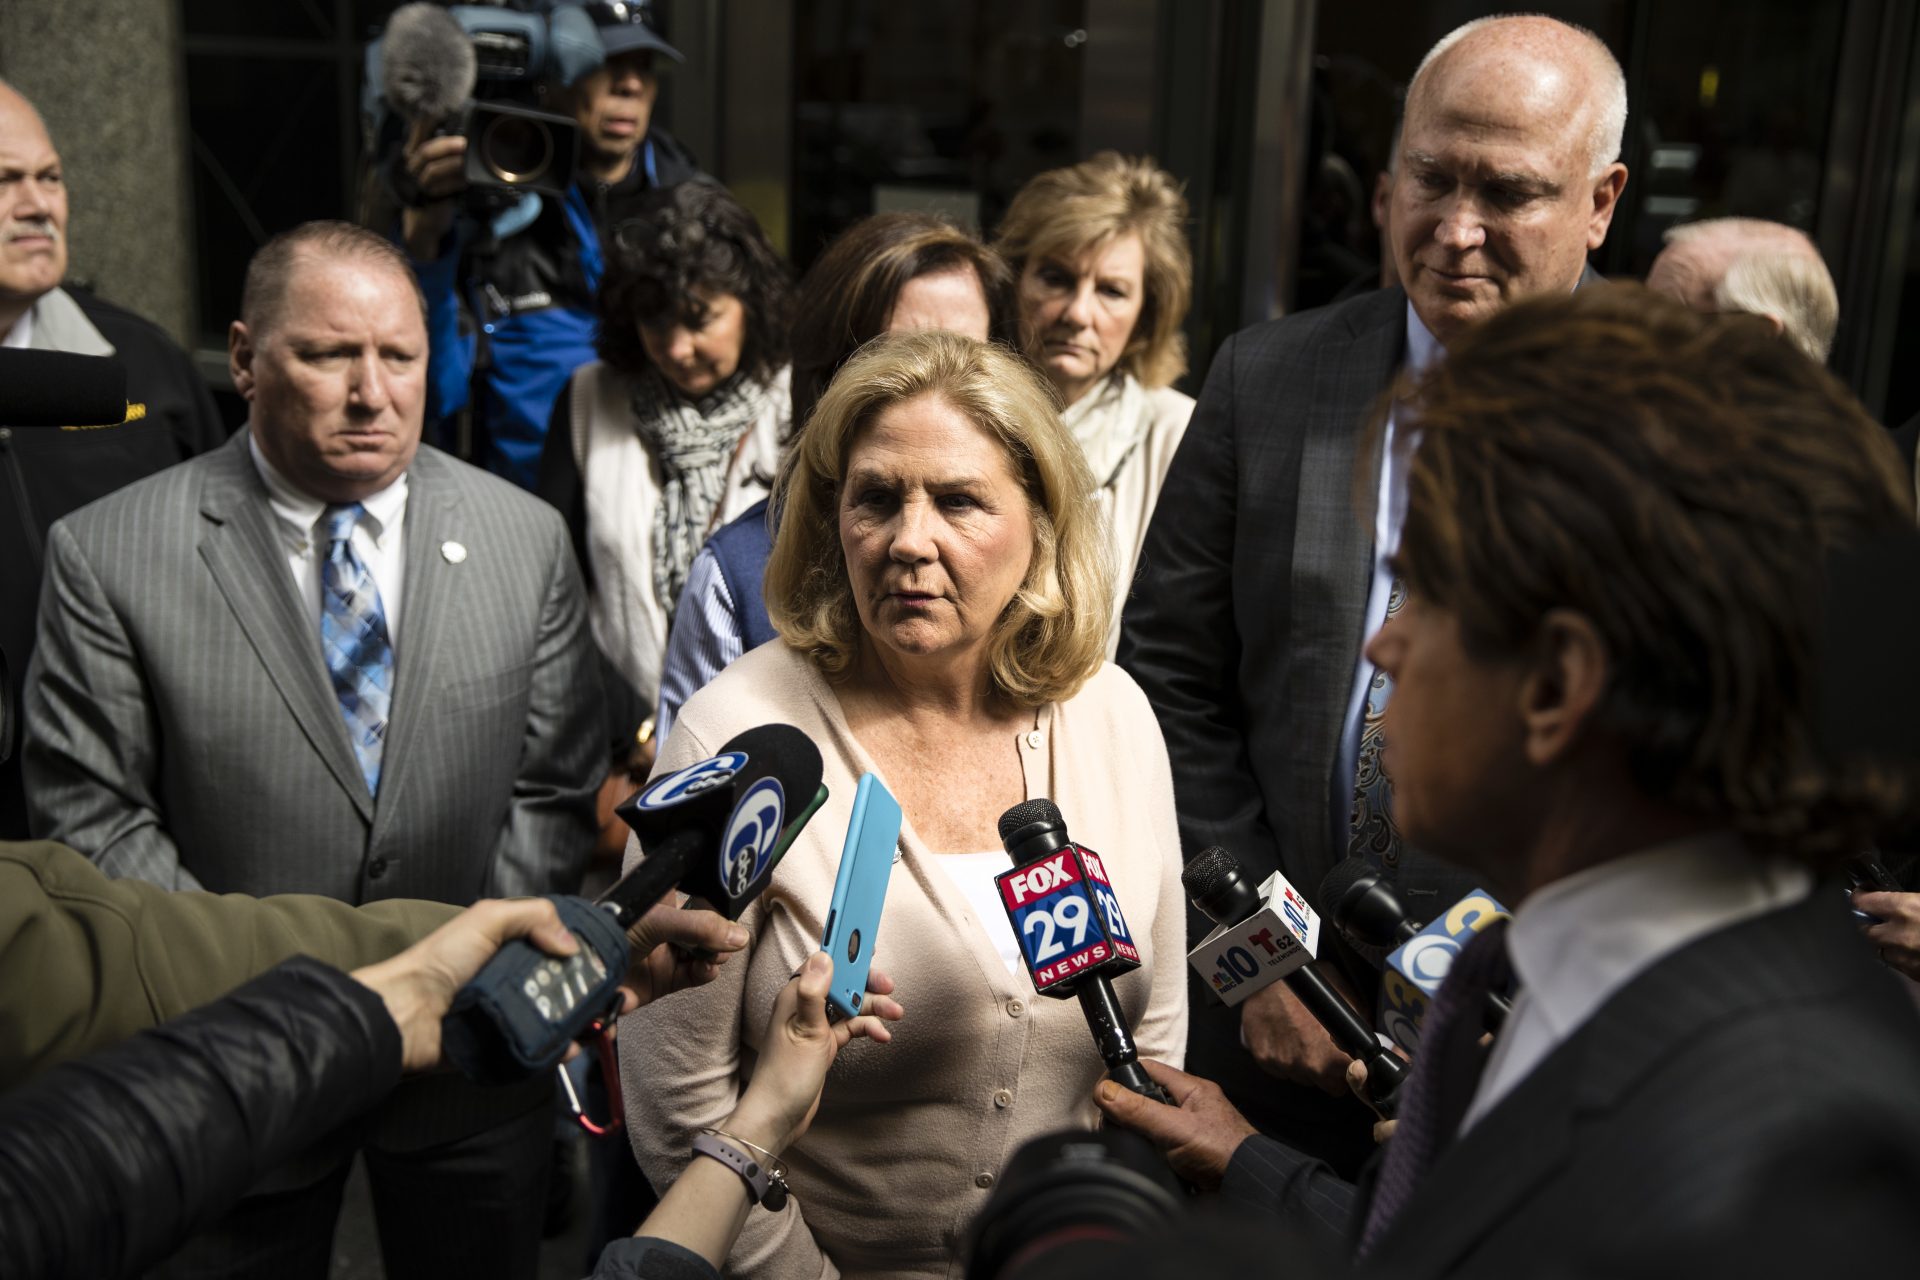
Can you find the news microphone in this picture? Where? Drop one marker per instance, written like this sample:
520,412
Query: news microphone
524,1007
427,63
60,389
1072,935
1269,935
1371,915
712,829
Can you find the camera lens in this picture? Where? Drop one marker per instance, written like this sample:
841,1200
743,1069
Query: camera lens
1066,1192
515,150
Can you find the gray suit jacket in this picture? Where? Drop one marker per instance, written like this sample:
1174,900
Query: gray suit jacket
1246,624
181,727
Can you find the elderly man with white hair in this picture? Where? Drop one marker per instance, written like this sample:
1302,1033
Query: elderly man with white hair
1748,264
1259,583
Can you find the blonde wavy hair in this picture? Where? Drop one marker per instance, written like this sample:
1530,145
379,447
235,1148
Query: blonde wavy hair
1052,636
1063,213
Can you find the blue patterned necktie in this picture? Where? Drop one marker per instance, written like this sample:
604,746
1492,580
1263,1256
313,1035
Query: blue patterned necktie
1446,1071
1373,835
353,639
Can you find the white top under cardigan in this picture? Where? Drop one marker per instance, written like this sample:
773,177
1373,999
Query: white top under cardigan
911,1136
622,480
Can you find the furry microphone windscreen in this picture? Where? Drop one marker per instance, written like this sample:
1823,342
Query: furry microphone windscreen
427,62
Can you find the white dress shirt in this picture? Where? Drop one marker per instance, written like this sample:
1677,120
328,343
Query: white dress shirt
1579,940
377,537
21,335
1390,514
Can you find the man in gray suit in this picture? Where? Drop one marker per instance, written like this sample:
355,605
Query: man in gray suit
325,659
1260,578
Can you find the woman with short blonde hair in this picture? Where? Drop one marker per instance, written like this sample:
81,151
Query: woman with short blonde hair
1104,277
1053,634
940,589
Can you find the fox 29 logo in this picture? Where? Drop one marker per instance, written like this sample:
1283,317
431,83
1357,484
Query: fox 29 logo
1066,919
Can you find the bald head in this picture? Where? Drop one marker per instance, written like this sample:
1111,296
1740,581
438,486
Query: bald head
1508,177
1543,63
33,208
1751,265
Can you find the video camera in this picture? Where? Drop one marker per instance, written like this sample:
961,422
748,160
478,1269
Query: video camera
483,71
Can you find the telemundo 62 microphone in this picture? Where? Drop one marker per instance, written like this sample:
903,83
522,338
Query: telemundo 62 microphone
1367,911
1072,934
1270,935
715,829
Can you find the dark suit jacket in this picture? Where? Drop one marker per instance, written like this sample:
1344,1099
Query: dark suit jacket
1749,1100
1246,624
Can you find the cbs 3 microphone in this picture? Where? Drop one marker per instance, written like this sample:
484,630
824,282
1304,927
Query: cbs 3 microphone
1072,935
1270,935
1413,961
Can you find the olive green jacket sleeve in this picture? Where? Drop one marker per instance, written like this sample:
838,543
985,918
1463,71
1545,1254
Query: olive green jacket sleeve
86,961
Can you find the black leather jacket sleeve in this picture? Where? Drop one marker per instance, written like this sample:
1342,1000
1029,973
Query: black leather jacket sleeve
110,1162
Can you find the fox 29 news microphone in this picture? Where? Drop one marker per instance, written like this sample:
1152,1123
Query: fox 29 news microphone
1270,935
1072,935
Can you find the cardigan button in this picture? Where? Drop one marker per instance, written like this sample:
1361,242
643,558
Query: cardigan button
1035,740
1016,1007
983,1180
1004,1098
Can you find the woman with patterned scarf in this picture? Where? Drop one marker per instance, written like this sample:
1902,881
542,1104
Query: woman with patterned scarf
673,432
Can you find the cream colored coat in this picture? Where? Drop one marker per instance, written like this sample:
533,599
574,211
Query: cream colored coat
1130,435
912,1135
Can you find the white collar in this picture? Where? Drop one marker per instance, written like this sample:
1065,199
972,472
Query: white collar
300,511
1580,939
20,337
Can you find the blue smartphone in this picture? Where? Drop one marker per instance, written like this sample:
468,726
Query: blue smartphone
859,891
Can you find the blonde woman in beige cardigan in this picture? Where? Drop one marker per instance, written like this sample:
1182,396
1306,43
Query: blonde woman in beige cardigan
941,589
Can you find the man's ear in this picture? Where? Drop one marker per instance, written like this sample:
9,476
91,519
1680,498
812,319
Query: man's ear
240,359
1566,680
1606,198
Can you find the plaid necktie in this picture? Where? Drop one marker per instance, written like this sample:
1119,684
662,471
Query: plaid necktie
1446,1071
1374,836
353,639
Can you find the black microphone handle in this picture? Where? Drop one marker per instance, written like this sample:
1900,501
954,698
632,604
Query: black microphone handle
1385,1071
1115,1041
635,893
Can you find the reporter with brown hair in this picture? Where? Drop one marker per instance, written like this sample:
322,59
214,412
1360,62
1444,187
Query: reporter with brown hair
1618,516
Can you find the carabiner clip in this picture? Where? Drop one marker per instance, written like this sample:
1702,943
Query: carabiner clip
600,1032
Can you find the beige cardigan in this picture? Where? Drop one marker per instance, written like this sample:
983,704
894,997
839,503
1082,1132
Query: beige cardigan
912,1135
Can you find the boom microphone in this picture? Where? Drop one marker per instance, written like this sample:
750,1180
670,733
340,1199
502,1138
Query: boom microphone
1072,935
714,829
427,63
60,389
1371,916
1248,920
